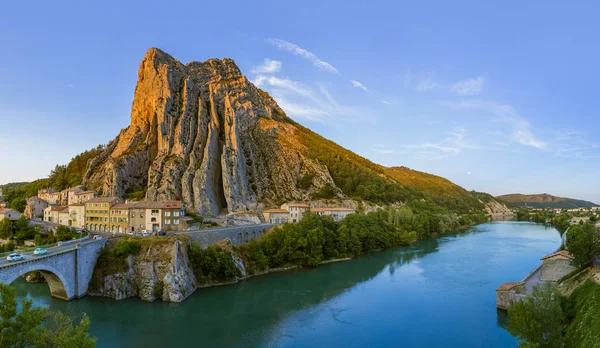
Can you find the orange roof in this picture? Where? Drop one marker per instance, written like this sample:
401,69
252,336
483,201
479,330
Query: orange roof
509,285
83,193
160,205
562,253
275,211
101,200
298,205
122,206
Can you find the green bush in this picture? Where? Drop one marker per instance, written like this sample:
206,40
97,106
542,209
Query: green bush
213,264
126,247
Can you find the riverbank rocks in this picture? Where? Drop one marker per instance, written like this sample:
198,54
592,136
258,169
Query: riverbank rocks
160,270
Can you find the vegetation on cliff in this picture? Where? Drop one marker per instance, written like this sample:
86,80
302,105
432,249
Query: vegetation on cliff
546,319
25,326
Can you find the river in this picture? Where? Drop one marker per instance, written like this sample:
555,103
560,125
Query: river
435,293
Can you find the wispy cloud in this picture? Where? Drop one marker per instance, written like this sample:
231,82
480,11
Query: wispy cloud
267,67
468,87
385,102
359,85
380,148
453,144
427,85
299,100
520,127
299,51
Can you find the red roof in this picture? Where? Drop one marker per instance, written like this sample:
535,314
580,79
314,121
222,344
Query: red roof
562,253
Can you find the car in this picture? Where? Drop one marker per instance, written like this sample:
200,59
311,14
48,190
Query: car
130,233
15,257
138,234
97,237
40,251
162,233
146,233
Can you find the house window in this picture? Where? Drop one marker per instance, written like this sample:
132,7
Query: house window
176,221
167,221
167,213
153,220
154,211
175,213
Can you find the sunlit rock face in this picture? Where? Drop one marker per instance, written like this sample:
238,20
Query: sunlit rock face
203,134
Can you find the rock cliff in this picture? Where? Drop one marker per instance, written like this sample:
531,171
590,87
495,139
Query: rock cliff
202,133
160,270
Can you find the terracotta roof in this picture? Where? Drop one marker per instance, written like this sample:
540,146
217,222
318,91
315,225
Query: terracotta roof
77,205
298,205
160,205
63,209
72,189
5,210
275,211
101,200
562,253
509,285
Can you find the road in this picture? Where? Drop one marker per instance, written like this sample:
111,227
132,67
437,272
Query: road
29,255
220,228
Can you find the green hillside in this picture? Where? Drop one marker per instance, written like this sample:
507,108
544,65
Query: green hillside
545,200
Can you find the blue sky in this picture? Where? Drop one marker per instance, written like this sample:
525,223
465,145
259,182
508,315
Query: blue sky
498,97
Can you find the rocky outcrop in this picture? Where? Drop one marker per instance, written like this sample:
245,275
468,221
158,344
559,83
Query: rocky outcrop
202,133
495,207
161,270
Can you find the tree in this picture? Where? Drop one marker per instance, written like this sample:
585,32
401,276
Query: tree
538,320
583,242
18,204
5,228
38,327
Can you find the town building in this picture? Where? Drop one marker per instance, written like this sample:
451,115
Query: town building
34,208
137,218
276,216
1,195
119,217
296,210
63,216
84,196
49,195
67,196
11,214
97,213
77,215
51,213
166,216
556,266
336,213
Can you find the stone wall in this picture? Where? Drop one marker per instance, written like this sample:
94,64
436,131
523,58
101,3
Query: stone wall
237,234
553,270
509,293
87,255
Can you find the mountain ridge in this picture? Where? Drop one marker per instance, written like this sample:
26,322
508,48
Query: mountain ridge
545,200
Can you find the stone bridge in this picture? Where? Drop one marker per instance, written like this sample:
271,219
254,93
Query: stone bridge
67,269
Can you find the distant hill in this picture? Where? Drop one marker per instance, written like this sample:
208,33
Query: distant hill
545,200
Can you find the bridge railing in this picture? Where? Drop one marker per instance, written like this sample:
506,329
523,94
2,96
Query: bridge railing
46,246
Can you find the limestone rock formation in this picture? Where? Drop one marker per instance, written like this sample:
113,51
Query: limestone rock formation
159,271
202,133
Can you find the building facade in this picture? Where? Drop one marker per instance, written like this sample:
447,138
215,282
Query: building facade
63,216
11,214
119,217
51,213
556,266
77,215
336,213
84,196
97,213
276,216
34,208
67,196
296,210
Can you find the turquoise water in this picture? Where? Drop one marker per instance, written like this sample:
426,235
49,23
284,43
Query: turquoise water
435,293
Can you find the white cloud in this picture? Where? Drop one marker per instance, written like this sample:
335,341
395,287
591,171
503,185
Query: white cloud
453,144
359,85
468,87
268,67
382,149
427,84
385,102
299,51
287,84
520,127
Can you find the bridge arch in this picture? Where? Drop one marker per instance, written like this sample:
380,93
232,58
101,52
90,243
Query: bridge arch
59,286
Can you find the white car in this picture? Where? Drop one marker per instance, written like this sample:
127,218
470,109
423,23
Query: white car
97,237
39,251
130,233
146,233
15,257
